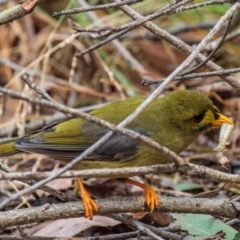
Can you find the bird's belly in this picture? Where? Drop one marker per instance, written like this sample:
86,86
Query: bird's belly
146,156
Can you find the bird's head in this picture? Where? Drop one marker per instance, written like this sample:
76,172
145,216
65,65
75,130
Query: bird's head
192,113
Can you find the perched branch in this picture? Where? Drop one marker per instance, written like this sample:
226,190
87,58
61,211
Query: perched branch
216,207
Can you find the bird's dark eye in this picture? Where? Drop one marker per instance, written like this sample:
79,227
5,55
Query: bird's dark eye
198,118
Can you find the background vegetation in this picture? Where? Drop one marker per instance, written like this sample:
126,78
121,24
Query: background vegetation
50,49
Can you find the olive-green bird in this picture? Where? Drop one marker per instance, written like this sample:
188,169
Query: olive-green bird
173,121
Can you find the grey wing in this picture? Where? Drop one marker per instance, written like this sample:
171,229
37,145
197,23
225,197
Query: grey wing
118,147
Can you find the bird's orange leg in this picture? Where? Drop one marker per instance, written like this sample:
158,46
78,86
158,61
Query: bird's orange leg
151,196
88,203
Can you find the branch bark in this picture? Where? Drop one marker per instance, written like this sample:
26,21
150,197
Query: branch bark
216,207
17,11
186,168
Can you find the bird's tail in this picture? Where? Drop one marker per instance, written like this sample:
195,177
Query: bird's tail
8,148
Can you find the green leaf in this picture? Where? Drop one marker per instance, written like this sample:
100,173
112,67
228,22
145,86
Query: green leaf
202,225
197,237
186,186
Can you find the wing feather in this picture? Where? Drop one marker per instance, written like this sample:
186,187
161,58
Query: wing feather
67,145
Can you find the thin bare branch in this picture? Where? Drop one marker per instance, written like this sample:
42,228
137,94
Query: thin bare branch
94,8
17,11
182,45
146,82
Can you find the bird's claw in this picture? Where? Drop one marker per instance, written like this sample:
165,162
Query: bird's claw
151,197
89,206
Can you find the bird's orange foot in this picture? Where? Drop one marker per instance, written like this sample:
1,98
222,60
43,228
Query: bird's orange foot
151,197
88,203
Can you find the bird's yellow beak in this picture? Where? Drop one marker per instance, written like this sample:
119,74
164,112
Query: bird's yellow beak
222,119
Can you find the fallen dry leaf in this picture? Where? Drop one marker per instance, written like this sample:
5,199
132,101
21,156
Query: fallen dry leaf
72,226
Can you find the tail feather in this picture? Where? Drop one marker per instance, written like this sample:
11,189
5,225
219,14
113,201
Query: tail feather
7,149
